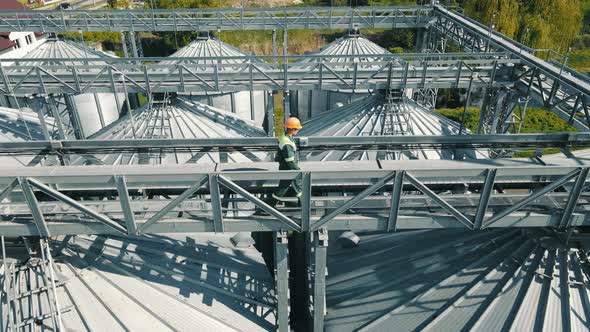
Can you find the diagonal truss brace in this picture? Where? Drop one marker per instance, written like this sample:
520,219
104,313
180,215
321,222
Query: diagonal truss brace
353,201
126,204
174,203
449,208
82,208
573,198
34,206
524,202
292,225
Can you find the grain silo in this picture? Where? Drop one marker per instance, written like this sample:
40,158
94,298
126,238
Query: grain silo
353,48
376,116
91,111
459,280
21,126
176,119
247,104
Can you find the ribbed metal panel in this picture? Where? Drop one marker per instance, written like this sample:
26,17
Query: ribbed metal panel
246,104
354,45
449,280
184,119
369,117
152,283
310,104
95,110
21,125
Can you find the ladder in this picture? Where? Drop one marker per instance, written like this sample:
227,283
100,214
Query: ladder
397,116
397,119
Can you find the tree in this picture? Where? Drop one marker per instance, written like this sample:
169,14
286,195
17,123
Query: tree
552,23
190,3
118,4
504,14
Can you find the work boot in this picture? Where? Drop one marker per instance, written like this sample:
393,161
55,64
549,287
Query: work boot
260,212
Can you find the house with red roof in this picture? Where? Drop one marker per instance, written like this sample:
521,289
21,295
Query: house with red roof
16,44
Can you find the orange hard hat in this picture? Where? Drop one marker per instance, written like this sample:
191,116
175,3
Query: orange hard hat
293,123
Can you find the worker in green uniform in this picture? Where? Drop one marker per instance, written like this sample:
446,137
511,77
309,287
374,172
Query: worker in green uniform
288,191
288,159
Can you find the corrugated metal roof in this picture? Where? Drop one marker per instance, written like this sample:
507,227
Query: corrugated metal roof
63,49
94,110
152,283
449,280
18,126
370,117
208,47
183,119
352,44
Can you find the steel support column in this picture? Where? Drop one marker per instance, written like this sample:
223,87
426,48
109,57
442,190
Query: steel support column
320,247
281,275
34,206
270,114
74,117
573,199
126,205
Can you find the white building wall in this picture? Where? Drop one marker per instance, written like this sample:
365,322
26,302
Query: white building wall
24,46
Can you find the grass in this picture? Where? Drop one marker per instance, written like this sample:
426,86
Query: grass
142,99
536,120
279,113
580,60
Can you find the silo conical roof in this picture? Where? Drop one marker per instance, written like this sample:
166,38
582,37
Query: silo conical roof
21,126
370,117
353,45
67,50
150,283
95,110
204,47
182,119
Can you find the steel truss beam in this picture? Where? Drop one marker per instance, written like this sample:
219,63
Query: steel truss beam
374,209
560,89
312,143
216,19
246,73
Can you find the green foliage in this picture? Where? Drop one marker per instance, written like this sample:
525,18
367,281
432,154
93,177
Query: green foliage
191,3
503,13
552,23
586,16
456,114
279,113
388,39
580,60
118,4
536,120
142,99
396,49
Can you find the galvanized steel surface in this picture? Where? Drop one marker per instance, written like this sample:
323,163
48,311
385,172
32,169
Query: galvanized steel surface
310,104
370,117
247,104
18,126
184,119
443,280
95,110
